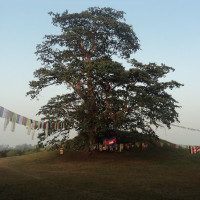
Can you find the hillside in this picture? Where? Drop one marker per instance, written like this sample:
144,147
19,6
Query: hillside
162,173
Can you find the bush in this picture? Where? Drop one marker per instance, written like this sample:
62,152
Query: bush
79,143
14,153
30,151
3,153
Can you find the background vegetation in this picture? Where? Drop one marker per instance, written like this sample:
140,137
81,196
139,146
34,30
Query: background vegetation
24,149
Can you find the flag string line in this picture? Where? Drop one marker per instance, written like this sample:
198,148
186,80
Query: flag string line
192,129
16,118
31,125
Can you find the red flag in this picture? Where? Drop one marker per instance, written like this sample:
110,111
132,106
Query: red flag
194,149
111,141
44,125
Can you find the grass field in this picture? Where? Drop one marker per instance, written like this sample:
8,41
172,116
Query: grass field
152,174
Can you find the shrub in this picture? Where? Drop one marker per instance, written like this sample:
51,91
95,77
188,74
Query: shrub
78,143
14,153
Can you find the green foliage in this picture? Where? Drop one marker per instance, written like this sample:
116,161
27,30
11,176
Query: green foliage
18,150
56,141
133,137
102,96
78,143
14,153
3,153
31,151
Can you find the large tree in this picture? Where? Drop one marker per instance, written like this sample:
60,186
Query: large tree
102,96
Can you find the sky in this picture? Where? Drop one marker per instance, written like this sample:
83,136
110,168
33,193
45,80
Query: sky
168,31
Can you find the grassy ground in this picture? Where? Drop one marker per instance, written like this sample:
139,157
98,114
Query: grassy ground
156,174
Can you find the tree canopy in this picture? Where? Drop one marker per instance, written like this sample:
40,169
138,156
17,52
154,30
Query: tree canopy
102,96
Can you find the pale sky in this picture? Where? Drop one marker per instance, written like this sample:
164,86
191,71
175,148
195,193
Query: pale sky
168,31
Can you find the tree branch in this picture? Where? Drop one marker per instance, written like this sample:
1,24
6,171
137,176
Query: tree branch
119,112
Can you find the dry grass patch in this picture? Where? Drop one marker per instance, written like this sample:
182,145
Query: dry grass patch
157,174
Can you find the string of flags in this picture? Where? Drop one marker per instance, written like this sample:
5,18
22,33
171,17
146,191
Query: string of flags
30,124
194,149
191,129
112,145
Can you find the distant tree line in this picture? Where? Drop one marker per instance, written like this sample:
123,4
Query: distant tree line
23,149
